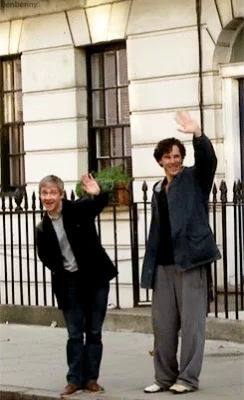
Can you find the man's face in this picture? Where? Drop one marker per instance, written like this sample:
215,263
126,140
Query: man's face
172,162
51,198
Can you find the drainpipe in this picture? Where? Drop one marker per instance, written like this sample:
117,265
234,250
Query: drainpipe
200,80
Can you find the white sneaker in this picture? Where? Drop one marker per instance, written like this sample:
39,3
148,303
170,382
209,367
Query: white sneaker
155,388
178,388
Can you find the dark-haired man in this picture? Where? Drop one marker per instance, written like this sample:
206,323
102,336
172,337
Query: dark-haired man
180,245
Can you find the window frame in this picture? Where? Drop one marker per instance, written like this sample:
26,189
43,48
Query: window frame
9,158
230,75
93,158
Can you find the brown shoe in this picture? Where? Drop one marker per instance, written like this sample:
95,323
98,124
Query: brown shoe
70,388
93,387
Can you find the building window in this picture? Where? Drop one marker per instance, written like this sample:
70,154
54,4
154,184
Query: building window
11,124
108,108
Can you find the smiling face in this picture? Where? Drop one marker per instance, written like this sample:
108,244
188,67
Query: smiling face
172,162
51,198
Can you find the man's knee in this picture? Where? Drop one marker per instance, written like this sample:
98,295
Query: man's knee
94,336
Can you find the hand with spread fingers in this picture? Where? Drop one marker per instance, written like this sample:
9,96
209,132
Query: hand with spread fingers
186,124
90,185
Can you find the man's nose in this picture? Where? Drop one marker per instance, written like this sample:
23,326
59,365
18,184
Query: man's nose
47,196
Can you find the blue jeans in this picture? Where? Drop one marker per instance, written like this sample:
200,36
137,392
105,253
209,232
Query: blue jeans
84,318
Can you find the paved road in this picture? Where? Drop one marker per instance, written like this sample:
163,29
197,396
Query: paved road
33,361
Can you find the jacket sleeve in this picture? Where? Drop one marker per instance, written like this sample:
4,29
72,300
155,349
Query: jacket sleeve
41,247
93,206
205,162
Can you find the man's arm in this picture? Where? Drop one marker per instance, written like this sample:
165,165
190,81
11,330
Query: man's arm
98,200
94,205
205,162
205,158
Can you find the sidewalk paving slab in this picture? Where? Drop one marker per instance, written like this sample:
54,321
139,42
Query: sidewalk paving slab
33,366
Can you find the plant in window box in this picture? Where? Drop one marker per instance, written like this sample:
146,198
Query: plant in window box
114,181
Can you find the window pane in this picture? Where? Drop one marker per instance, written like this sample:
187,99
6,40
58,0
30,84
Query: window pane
127,141
122,67
111,107
124,112
17,74
14,145
103,143
97,71
18,106
110,69
15,171
116,142
16,153
128,166
104,163
7,75
98,108
8,107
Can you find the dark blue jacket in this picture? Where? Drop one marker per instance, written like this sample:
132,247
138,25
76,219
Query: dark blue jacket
193,241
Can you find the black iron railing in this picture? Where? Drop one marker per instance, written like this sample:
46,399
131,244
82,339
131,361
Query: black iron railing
123,231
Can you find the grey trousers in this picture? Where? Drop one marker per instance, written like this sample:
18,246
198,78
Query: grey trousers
179,303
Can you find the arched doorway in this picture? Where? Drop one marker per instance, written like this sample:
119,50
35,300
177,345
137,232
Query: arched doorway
237,56
229,59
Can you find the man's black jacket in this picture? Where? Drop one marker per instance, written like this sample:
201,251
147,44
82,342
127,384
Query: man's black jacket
95,267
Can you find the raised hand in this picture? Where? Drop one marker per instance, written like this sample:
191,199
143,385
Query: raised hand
186,124
90,185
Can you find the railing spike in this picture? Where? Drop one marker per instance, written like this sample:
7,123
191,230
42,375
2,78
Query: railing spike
18,197
214,191
239,191
72,195
26,205
234,192
10,203
33,201
223,191
3,202
144,189
144,186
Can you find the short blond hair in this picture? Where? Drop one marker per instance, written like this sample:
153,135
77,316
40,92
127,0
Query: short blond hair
52,179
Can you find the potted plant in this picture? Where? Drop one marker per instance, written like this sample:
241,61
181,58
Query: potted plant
113,180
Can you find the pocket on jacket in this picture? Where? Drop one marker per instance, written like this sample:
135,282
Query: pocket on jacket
200,248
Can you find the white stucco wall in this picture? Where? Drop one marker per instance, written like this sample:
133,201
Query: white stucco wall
162,51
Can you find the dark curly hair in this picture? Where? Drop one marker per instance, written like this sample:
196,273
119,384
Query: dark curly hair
166,145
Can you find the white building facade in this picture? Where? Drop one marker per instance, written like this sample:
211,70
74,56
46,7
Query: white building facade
161,44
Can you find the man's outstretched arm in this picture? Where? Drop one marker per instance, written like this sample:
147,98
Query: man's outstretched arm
205,158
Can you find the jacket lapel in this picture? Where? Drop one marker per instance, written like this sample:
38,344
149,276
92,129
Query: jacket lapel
50,234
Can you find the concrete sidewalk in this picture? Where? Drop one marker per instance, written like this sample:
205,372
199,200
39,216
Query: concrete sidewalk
33,366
